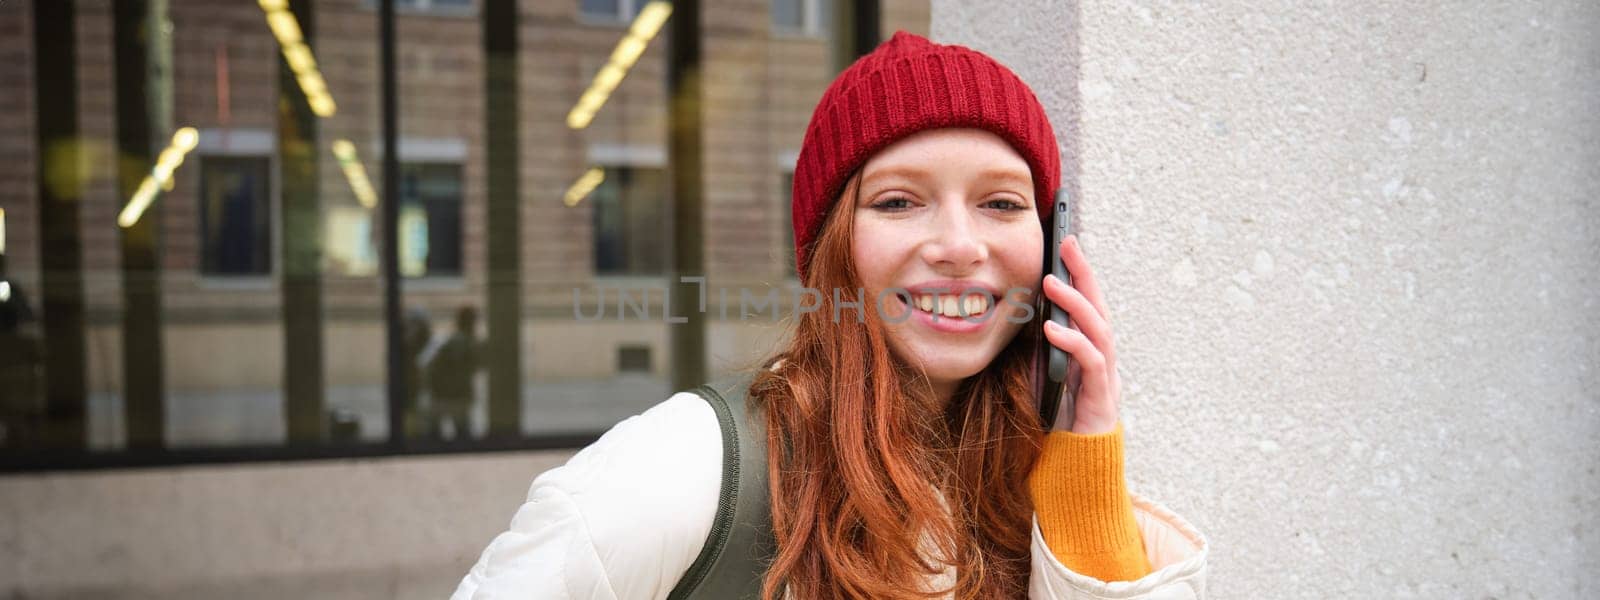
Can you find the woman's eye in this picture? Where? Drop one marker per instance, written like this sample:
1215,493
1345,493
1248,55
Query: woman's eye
893,203
1005,204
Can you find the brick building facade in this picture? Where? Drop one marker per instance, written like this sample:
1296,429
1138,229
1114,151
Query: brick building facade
221,306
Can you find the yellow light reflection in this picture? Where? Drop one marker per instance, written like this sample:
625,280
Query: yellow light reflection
585,184
183,140
644,28
284,27
298,55
355,173
2,231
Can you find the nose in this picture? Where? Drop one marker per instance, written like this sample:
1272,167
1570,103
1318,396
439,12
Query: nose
955,244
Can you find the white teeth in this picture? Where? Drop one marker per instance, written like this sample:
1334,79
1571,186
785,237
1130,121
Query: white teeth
976,305
950,306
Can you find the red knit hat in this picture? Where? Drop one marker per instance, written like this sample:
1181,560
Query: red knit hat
906,85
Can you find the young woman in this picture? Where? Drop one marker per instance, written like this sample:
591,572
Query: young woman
913,461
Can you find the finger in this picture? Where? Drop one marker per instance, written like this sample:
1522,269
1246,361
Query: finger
1083,275
1092,386
1074,342
1084,315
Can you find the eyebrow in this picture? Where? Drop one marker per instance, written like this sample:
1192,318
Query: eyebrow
911,172
1003,174
902,172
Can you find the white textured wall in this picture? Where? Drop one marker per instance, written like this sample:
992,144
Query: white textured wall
1351,254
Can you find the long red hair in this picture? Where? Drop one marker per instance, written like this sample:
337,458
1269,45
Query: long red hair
857,444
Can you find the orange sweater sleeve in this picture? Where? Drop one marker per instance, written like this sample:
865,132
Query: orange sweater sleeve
1085,513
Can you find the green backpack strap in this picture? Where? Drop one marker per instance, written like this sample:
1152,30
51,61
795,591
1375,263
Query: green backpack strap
741,544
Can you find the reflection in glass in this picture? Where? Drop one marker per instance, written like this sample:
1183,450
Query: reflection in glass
264,278
802,17
235,216
607,10
350,244
430,219
788,14
629,206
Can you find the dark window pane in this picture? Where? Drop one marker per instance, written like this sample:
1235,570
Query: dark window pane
608,240
633,359
628,222
235,216
646,196
788,14
608,9
430,219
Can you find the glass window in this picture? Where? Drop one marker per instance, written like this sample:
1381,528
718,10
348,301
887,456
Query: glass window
350,241
788,14
821,24
786,192
430,219
607,10
628,221
633,359
802,17
443,7
240,310
235,216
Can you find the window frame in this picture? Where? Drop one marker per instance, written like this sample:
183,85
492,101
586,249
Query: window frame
245,143
457,279
249,281
625,277
451,150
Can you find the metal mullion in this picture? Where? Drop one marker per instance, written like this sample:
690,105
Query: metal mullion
503,307
686,159
389,259
142,117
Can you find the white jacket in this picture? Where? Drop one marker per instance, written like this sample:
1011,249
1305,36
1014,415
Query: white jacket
627,515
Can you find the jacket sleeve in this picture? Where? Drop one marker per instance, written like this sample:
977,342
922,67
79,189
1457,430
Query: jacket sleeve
622,519
1108,542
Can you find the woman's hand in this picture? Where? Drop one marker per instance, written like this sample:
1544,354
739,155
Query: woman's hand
1093,347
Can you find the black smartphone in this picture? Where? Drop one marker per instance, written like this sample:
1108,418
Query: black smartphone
1050,372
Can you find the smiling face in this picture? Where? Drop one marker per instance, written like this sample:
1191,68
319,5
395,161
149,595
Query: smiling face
941,212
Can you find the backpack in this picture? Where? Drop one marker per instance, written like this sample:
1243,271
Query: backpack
741,544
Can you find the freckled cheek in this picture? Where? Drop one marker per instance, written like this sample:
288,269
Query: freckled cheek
1026,267
878,251
1022,257
1022,267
